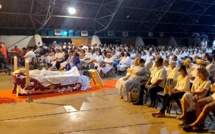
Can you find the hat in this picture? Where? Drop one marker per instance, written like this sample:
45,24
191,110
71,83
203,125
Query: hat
187,62
203,62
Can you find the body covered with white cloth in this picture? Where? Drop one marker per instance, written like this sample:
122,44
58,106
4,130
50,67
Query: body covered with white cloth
44,81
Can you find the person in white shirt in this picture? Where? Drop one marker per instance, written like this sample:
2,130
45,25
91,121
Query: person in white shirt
29,55
132,56
183,84
200,88
156,82
203,107
124,62
98,59
210,66
166,65
149,58
58,57
106,66
173,73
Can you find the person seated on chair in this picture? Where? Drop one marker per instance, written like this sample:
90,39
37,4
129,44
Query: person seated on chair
173,72
59,56
132,67
124,62
48,56
156,82
98,59
66,55
28,56
203,107
129,70
136,76
16,50
75,61
210,67
183,84
69,59
200,88
106,66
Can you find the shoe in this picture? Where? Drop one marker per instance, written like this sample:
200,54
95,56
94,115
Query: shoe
198,128
188,128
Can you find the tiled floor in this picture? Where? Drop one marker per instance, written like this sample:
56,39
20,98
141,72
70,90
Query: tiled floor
88,113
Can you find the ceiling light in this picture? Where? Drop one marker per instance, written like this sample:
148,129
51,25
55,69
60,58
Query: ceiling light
0,6
71,10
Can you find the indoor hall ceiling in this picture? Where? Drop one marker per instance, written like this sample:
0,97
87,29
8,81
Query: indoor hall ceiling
170,16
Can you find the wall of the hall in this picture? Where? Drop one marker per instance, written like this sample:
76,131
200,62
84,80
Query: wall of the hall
20,41
24,41
118,40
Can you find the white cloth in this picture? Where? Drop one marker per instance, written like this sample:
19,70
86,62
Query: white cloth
47,78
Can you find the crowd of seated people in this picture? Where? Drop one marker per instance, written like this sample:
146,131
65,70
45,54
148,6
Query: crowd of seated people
148,67
192,74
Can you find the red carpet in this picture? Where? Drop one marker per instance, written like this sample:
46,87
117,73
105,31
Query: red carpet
6,96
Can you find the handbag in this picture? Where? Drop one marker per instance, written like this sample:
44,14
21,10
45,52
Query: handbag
136,96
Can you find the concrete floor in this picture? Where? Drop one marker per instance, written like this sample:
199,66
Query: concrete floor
99,112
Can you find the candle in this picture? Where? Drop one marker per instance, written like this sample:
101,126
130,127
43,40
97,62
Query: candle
15,63
27,72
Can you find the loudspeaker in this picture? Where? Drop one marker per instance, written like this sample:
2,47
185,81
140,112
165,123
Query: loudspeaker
96,77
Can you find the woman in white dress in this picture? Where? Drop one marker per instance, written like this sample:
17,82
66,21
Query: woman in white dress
70,58
137,75
129,70
106,66
124,62
48,56
98,59
200,88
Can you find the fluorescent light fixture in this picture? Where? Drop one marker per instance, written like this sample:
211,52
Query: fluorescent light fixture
71,10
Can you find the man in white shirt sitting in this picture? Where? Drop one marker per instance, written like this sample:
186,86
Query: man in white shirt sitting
29,55
156,82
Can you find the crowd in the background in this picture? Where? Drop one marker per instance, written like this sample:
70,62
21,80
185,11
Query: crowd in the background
181,73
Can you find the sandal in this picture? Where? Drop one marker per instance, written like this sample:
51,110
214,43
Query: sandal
159,115
154,114
180,117
181,123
